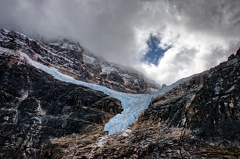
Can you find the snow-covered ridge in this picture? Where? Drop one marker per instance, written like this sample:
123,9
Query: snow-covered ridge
133,104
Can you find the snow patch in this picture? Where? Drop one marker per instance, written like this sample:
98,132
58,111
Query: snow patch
107,68
88,59
101,141
125,134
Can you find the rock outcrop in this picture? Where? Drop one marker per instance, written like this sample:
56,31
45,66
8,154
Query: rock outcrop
71,58
197,119
35,109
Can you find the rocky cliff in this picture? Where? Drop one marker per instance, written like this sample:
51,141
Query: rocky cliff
42,117
35,109
197,119
72,59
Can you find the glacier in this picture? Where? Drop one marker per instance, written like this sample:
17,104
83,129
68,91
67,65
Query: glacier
133,104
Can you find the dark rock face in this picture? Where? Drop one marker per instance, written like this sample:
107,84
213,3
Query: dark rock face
209,105
35,108
206,111
197,119
72,59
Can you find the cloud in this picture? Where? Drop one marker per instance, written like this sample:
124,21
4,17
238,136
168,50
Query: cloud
201,33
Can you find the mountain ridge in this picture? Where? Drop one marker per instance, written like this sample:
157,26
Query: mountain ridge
47,112
71,58
197,119
36,108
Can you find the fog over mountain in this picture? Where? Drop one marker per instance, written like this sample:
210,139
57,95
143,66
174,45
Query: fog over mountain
199,34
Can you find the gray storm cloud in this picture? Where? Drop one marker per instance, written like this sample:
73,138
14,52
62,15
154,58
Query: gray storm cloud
201,33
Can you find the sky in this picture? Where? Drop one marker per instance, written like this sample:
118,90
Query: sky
154,52
164,39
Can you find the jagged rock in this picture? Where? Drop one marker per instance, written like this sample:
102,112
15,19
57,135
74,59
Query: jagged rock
197,119
109,105
208,104
232,56
238,53
36,108
72,59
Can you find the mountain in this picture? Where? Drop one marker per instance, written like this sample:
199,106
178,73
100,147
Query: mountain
50,110
40,101
197,119
35,108
71,58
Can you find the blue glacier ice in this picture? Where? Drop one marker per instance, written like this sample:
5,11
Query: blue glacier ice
133,104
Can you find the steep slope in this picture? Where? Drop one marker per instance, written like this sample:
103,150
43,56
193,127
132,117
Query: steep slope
133,104
197,119
72,59
35,108
46,113
208,104
67,106
46,109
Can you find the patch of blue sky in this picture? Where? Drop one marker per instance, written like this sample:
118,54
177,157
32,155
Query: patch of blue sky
154,52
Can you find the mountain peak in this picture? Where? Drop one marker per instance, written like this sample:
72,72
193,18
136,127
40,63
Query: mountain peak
71,58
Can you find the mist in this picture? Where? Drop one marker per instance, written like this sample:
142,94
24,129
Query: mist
199,33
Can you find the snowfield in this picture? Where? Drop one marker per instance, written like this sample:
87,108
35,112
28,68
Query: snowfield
133,104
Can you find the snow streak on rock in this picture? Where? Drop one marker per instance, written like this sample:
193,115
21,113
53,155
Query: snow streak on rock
133,104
